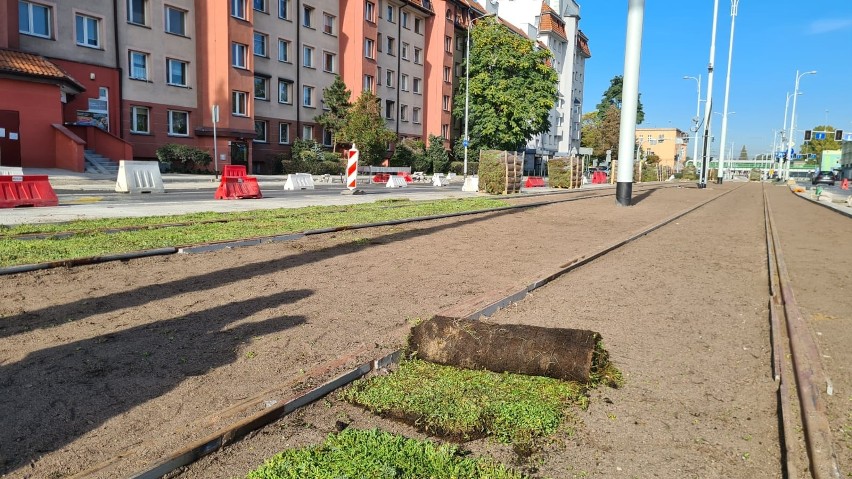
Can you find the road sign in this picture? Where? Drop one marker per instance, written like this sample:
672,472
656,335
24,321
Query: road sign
819,135
465,143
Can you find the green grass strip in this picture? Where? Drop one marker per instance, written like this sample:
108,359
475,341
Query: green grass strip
89,241
374,454
513,408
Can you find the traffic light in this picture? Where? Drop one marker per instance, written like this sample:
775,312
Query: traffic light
838,135
807,135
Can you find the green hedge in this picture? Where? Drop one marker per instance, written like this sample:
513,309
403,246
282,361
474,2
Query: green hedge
184,158
559,173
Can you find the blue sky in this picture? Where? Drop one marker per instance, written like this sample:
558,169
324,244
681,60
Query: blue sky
773,38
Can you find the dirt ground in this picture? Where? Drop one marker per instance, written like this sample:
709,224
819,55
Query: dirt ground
143,356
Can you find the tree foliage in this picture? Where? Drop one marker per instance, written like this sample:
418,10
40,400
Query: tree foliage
612,97
366,128
336,100
512,88
743,154
817,146
437,155
601,132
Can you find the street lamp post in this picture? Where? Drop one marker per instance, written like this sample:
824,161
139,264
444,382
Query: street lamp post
790,138
696,120
630,101
708,106
720,177
466,140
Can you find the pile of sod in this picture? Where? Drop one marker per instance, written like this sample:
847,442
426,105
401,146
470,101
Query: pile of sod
372,453
465,404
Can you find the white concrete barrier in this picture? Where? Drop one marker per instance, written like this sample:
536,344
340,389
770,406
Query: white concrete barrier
471,184
395,181
451,177
438,179
11,171
299,181
139,177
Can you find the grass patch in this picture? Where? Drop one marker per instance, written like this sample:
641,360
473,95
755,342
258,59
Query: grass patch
89,237
371,454
461,403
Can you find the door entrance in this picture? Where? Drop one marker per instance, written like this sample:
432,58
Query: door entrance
239,153
10,141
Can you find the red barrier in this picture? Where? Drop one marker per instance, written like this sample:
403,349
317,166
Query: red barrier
380,178
598,178
26,190
534,181
405,176
234,171
233,188
844,185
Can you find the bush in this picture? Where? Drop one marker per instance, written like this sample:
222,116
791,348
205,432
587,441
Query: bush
492,173
689,173
437,155
402,156
184,158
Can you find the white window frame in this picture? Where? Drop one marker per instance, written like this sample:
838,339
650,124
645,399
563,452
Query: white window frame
370,11
265,138
405,48
329,24
171,121
391,50
283,133
403,112
265,92
307,56
418,56
369,48
404,19
403,82
239,55
390,109
169,63
325,57
448,74
418,25
133,113
264,6
286,50
28,29
307,16
445,102
85,30
309,129
369,83
308,94
415,115
448,44
417,85
327,137
131,67
238,9
239,103
264,43
130,19
284,9
390,14
167,24
288,90
389,76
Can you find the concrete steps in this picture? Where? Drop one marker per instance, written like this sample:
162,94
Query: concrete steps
96,163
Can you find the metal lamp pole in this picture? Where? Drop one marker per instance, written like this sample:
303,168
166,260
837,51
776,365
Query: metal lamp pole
790,138
629,101
708,107
696,120
720,177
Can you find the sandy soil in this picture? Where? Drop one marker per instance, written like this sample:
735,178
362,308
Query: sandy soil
141,356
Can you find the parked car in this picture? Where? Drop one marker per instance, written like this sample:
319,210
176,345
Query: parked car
824,177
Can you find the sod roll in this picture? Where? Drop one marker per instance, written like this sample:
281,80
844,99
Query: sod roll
560,353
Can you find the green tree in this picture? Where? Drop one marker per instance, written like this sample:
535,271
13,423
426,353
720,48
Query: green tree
512,88
437,155
336,100
366,128
612,96
601,132
743,154
817,146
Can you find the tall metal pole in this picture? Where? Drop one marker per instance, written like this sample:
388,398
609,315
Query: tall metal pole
629,101
708,107
790,138
721,175
466,141
697,120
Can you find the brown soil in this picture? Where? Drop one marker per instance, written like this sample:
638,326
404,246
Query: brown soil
144,356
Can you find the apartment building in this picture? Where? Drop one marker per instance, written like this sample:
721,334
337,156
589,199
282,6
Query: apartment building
670,144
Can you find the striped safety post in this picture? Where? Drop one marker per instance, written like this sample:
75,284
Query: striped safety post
352,168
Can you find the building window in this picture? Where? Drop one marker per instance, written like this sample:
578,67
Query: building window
34,19
404,51
417,85
307,132
391,46
329,62
239,55
284,9
308,96
88,31
404,16
307,16
418,56
283,133
389,108
138,65
445,131
370,12
369,82
389,74
261,88
285,91
307,56
260,131
418,25
403,82
448,44
390,14
447,74
176,71
178,123
369,48
239,103
283,50
328,22
415,115
175,21
140,117
260,6
137,11
445,103
378,76
238,9
326,137
403,112
261,44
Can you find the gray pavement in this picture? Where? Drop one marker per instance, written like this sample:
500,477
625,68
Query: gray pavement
832,197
